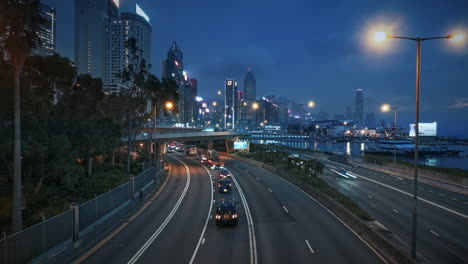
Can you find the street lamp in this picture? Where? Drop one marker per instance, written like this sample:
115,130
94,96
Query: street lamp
168,105
386,108
380,37
309,104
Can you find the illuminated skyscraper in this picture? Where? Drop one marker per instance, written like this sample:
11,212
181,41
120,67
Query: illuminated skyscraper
230,93
46,32
118,31
250,86
91,17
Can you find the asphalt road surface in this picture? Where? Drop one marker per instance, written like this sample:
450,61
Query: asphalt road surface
278,223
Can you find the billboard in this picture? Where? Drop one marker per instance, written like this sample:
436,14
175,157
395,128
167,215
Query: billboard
241,145
425,130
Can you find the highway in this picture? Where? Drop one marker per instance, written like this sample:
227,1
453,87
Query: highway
278,223
442,235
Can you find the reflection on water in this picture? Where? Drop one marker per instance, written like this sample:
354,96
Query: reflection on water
358,149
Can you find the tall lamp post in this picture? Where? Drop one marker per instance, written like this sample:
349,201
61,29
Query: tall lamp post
386,108
168,106
380,37
309,104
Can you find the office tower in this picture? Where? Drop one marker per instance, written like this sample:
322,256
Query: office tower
194,86
250,86
371,120
117,53
359,107
91,18
230,92
173,69
47,32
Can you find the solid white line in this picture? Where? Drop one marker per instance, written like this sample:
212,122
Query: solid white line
252,240
337,218
166,221
396,211
419,198
269,189
285,209
332,167
434,233
211,216
307,242
206,222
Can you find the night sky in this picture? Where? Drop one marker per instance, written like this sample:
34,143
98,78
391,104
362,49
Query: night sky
315,50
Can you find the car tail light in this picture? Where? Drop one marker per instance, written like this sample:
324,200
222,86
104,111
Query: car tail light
234,216
217,216
219,185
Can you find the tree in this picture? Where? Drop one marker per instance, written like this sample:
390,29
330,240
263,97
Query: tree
19,22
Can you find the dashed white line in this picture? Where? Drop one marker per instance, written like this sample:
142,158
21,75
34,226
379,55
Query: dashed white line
434,233
310,248
453,198
396,211
465,202
258,179
442,194
285,209
431,191
270,190
370,196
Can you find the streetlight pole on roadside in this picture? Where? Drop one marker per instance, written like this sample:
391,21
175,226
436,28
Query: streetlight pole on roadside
168,106
379,37
386,108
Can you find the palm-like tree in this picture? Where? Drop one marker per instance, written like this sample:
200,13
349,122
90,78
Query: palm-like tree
20,21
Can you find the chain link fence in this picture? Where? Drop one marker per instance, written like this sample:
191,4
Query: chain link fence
45,241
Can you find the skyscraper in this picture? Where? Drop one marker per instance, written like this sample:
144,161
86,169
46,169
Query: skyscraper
250,86
371,120
349,113
173,69
117,32
91,17
230,93
359,107
46,32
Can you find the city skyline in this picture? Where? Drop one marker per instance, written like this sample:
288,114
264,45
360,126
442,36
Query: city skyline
337,63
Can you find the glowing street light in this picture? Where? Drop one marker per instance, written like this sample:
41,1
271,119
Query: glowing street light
215,103
380,37
255,106
169,105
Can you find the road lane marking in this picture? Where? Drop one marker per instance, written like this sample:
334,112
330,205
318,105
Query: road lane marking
284,207
453,198
396,211
207,218
370,196
434,233
250,224
465,202
166,221
442,194
269,190
308,245
258,179
105,240
419,198
211,216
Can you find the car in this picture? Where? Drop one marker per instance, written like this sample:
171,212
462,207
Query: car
224,185
217,166
224,174
169,150
226,212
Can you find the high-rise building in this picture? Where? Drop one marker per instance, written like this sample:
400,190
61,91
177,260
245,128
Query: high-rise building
47,32
91,18
359,107
230,93
173,69
117,53
250,86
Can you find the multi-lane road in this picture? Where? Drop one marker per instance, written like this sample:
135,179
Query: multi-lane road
278,223
442,234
